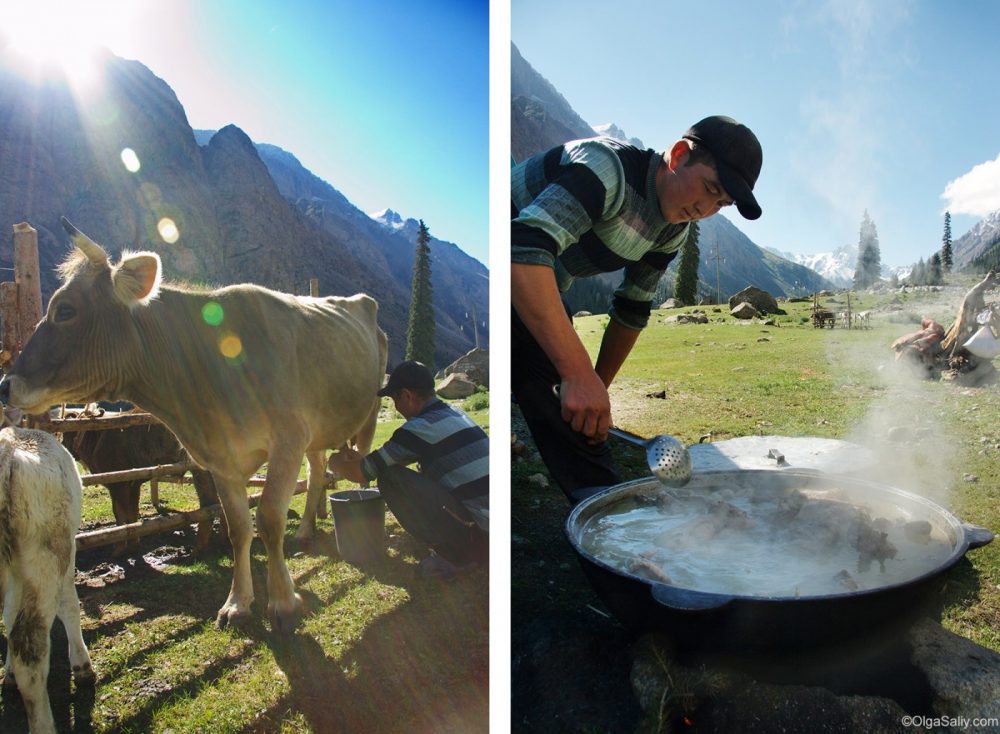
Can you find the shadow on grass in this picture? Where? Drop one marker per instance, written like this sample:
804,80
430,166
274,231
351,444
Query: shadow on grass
421,666
424,666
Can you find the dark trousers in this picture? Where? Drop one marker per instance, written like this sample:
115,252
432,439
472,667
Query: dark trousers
430,513
573,463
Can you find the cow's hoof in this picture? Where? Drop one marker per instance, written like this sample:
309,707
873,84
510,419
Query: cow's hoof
304,534
323,511
85,675
285,617
233,616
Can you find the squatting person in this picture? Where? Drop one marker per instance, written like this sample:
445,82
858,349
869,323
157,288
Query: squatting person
446,504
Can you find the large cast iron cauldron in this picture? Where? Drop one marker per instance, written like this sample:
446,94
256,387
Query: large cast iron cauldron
710,620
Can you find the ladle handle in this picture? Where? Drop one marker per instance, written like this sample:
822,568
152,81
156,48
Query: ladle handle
626,436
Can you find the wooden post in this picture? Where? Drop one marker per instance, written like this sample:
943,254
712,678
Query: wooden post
11,320
26,275
314,287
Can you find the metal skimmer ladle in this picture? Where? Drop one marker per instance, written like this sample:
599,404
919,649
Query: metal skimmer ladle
668,458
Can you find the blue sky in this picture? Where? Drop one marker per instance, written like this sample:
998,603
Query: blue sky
882,105
387,101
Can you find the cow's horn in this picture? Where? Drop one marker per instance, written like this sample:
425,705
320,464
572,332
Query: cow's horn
94,252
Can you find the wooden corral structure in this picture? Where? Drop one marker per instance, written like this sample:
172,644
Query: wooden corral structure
848,318
20,312
822,317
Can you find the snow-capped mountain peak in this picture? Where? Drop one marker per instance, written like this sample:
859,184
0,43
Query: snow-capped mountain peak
389,218
611,130
837,266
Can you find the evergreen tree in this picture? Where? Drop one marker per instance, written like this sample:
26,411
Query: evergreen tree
935,272
420,329
919,273
946,254
869,268
686,280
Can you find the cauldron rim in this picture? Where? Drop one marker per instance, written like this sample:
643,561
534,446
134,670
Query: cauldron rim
960,546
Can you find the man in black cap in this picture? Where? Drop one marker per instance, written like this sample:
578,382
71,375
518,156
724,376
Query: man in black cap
597,206
446,503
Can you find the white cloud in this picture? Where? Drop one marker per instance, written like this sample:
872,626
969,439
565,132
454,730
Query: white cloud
976,192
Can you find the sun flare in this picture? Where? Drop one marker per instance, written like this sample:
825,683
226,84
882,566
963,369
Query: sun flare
56,36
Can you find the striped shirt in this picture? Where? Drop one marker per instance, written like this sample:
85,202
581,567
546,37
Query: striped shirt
452,450
589,207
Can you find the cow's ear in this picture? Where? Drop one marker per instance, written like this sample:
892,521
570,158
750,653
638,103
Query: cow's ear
136,277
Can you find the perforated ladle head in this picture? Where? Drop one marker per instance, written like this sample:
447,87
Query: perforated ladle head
669,460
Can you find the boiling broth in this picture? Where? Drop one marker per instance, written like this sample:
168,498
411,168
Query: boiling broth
765,542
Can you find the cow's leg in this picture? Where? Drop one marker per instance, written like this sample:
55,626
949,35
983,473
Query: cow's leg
11,602
69,613
29,652
314,496
317,476
284,605
364,438
125,505
232,493
204,487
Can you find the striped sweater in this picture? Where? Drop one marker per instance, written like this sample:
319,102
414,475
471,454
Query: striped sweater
589,207
451,449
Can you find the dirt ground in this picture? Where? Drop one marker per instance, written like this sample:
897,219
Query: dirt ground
570,660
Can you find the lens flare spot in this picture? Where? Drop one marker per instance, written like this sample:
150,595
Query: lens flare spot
168,230
212,314
131,160
231,346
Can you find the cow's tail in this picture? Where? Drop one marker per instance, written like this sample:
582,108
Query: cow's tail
6,498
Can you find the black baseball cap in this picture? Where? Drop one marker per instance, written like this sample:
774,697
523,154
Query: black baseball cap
411,375
737,155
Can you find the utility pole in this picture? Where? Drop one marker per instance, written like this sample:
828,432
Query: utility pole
475,326
718,286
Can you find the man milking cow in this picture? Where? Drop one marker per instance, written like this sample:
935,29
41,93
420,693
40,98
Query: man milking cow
446,504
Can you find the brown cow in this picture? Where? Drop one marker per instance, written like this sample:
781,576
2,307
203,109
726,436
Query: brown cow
242,375
128,448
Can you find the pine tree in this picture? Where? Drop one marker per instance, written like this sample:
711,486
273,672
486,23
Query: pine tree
686,280
946,254
919,273
869,268
420,329
935,273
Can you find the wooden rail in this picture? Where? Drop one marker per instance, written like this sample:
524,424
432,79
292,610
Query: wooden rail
103,423
154,525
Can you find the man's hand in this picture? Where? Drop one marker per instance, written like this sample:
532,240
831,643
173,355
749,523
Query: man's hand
586,405
346,463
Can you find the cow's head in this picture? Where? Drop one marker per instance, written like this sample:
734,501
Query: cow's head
83,348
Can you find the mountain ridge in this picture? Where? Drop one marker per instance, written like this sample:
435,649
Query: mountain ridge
245,212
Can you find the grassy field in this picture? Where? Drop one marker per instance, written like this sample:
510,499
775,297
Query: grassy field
727,379
380,649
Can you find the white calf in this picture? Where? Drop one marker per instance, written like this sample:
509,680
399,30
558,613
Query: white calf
39,518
